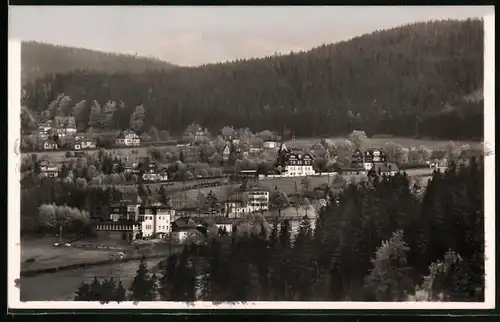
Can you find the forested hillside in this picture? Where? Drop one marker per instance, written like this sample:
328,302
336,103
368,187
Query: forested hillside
39,59
411,80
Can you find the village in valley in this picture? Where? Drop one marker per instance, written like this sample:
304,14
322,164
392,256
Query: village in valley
258,174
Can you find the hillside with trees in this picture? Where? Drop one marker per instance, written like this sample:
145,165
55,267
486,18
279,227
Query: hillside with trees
414,80
40,59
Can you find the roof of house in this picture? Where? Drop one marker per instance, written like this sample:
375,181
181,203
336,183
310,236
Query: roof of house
389,167
184,223
438,154
130,195
118,222
235,200
122,135
298,155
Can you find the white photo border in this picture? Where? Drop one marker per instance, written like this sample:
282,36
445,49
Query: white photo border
14,258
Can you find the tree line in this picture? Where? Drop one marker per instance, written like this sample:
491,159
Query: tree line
386,239
413,80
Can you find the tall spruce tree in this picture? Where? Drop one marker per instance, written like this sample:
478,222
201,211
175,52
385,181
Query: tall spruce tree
390,278
142,288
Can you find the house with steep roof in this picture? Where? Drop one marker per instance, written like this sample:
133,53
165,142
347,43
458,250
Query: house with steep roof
84,144
388,169
130,221
438,158
294,163
182,227
128,138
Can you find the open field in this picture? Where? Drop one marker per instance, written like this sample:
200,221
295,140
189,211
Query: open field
189,198
48,256
379,141
62,286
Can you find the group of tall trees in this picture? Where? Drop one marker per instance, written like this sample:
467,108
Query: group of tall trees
414,80
380,240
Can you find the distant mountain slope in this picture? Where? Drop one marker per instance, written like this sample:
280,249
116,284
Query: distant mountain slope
399,81
40,59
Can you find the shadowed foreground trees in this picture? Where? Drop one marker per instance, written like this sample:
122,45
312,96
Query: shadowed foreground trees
376,241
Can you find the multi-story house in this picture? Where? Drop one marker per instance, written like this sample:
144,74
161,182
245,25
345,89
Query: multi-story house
128,138
235,208
246,202
388,169
156,220
296,163
257,200
130,221
368,158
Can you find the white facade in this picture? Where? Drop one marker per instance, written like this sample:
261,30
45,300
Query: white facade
299,170
367,166
235,209
129,139
85,144
270,145
258,200
153,177
157,224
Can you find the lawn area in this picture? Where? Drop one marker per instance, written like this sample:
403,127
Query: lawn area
380,141
48,256
62,286
291,185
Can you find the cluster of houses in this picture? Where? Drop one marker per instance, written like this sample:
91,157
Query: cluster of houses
131,219
51,138
149,173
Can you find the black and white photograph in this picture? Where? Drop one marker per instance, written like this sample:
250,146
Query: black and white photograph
251,157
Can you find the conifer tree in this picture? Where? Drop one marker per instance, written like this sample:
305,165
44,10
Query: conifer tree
303,267
107,290
83,293
142,286
167,280
120,293
95,290
390,280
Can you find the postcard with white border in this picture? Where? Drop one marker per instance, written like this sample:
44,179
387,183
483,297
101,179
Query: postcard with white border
191,157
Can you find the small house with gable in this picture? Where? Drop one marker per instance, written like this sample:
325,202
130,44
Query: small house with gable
128,138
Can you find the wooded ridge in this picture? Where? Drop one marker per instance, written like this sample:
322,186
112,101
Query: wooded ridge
414,80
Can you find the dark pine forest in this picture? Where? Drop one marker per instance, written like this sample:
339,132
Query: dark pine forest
422,79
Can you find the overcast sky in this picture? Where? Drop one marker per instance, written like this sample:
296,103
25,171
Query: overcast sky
196,35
